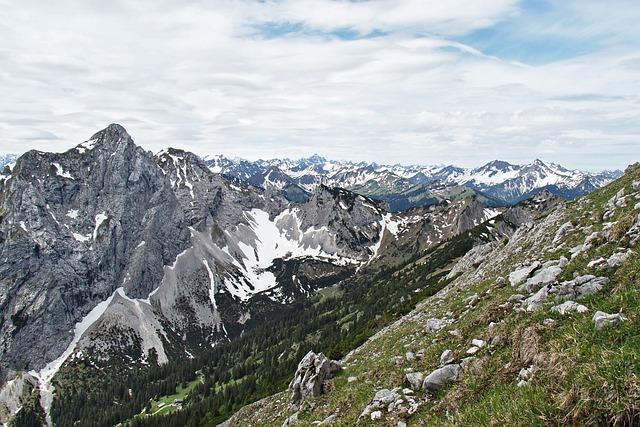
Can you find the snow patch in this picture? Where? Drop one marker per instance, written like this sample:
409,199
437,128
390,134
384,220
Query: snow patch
99,219
46,374
61,172
81,237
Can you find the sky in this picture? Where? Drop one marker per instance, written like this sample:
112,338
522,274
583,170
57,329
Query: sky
391,81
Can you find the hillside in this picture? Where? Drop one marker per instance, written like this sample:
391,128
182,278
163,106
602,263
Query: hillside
514,349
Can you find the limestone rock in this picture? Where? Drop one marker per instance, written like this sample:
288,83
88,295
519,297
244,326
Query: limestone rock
309,379
518,276
446,357
602,319
415,380
569,307
618,258
441,377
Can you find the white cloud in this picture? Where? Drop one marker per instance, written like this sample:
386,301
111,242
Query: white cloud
198,76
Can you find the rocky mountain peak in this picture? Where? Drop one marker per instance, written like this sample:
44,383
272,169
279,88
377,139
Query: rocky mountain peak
110,138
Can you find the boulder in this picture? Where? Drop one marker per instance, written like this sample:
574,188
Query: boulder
309,379
437,379
585,288
466,360
384,397
569,307
535,301
543,277
478,342
516,298
415,380
329,420
564,229
615,200
618,258
602,319
579,287
473,350
518,276
446,357
434,325
291,421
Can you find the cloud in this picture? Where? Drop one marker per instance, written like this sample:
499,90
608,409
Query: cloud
382,80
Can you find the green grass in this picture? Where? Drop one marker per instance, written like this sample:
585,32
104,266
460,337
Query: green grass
164,405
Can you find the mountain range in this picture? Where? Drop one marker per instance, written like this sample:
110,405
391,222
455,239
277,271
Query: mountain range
111,251
127,276
499,183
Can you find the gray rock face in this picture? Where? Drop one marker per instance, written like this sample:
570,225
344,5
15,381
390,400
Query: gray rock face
518,276
11,395
472,258
437,379
562,232
309,379
618,258
575,289
542,277
71,234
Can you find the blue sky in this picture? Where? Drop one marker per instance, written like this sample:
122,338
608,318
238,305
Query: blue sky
408,81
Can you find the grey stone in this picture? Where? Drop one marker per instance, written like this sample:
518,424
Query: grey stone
434,325
542,277
602,319
618,258
312,373
415,380
385,396
518,276
437,379
446,357
569,307
292,420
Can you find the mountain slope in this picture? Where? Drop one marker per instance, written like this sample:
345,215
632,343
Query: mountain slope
514,352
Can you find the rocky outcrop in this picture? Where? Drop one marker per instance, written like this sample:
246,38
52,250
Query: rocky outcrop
602,320
569,307
310,377
440,377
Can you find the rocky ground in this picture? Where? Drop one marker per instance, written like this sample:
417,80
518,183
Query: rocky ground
542,329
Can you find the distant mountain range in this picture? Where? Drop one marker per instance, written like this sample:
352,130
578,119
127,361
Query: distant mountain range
496,183
7,159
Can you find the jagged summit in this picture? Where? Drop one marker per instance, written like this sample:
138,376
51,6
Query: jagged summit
114,131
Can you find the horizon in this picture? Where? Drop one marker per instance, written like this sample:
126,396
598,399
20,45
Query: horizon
440,165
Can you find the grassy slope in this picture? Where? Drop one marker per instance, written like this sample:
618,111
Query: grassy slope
583,376
167,402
